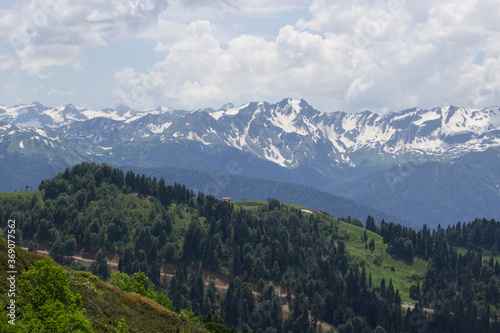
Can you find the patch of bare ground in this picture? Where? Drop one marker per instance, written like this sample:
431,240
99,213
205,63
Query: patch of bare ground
407,305
221,281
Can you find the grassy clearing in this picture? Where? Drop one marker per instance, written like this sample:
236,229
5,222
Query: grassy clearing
298,207
26,194
379,263
255,204
249,204
486,254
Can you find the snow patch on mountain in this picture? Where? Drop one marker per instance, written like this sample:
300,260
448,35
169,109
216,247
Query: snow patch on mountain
37,115
5,127
159,128
272,153
41,132
228,112
286,121
425,117
288,133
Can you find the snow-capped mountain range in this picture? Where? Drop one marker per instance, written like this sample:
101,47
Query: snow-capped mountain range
444,160
289,133
38,115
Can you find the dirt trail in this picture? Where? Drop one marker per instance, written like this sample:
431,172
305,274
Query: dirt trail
85,259
221,281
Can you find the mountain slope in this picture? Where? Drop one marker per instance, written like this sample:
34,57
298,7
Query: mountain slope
223,184
289,133
38,115
161,225
306,268
288,141
104,304
434,192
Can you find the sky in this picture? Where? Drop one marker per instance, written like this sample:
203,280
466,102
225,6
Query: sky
350,56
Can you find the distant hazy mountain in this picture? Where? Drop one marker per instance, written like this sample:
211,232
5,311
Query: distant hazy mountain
37,115
361,156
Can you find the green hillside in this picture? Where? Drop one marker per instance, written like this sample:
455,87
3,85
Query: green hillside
222,183
378,262
104,304
216,262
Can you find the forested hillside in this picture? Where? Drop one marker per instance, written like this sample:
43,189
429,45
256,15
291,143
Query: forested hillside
222,183
50,298
287,268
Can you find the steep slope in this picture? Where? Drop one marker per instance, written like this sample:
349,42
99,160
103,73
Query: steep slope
291,132
30,154
305,267
288,141
432,192
104,304
170,225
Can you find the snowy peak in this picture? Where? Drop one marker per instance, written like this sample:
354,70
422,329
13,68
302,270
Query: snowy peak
290,133
281,132
476,121
227,106
231,111
290,130
37,115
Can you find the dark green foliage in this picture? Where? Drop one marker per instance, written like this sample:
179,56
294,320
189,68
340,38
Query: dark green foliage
415,291
46,302
371,245
146,222
100,266
370,224
481,234
32,247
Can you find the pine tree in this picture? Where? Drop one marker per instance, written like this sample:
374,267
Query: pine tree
371,246
236,267
100,266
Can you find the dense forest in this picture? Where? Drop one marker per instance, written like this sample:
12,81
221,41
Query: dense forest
289,269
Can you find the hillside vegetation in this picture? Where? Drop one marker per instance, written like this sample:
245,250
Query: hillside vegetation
285,267
79,302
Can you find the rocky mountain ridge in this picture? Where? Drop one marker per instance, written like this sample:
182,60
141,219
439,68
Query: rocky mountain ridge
289,133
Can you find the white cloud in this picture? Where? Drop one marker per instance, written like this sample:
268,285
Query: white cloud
247,7
46,33
198,70
6,62
379,55
60,93
383,55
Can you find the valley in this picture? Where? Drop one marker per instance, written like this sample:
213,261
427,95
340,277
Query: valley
230,166
388,163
